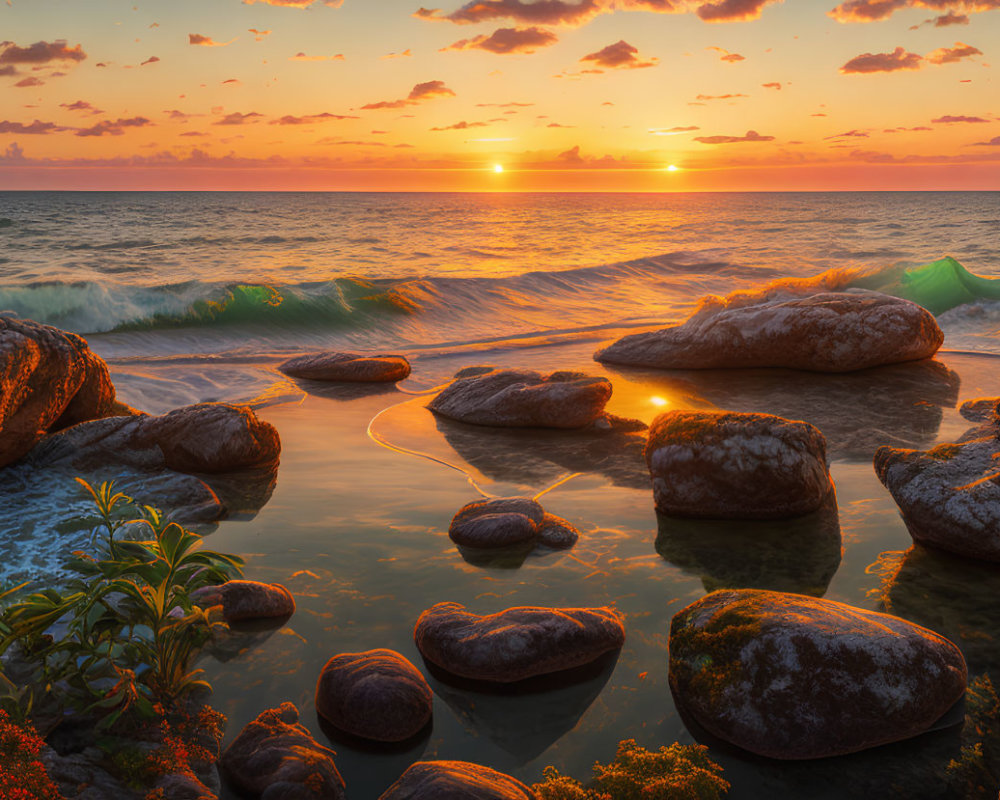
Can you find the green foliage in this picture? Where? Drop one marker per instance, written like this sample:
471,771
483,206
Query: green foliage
976,773
127,629
677,772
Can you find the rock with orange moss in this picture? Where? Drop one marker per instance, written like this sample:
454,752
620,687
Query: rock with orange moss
827,332
336,366
507,398
950,494
49,380
728,465
276,758
510,521
376,695
246,600
517,643
794,677
456,780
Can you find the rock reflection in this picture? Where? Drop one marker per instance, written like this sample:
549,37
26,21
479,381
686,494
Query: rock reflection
899,404
799,555
951,595
537,456
524,719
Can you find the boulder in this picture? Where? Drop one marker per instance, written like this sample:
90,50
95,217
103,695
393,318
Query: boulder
245,600
794,677
335,366
49,379
455,780
509,521
827,332
949,495
524,399
728,465
518,643
276,758
184,786
375,695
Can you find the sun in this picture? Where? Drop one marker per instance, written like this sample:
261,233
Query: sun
672,168
498,168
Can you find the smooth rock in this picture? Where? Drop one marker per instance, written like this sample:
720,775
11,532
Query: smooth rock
793,677
949,495
728,465
276,758
827,332
335,366
49,379
376,695
517,643
181,786
509,521
456,780
245,600
524,398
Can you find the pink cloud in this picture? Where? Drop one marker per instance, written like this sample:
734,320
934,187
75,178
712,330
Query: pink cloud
81,105
258,36
950,55
419,93
113,127
295,3
620,55
898,59
34,128
461,126
304,57
41,53
508,40
236,118
288,119
873,10
206,41
732,10
948,118
26,83
751,136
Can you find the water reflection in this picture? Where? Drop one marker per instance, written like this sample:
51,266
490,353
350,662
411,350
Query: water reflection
951,595
799,555
523,719
899,404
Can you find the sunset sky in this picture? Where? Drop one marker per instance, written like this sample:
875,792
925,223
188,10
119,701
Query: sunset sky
562,94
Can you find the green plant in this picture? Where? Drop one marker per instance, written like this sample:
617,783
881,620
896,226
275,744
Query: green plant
677,772
128,630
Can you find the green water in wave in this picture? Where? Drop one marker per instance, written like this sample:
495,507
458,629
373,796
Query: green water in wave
938,286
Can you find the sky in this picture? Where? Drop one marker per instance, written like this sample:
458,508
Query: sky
500,95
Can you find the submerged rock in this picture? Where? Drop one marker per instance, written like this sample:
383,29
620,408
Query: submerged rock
727,465
827,332
246,600
335,366
509,521
456,780
518,643
276,758
524,399
949,495
792,677
375,695
49,379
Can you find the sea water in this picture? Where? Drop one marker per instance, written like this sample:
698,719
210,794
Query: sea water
195,297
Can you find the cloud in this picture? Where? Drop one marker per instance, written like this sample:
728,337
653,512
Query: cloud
751,136
236,118
773,85
951,118
41,53
951,18
8,69
419,93
852,134
461,126
673,131
26,83
732,10
882,62
405,54
994,142
504,105
207,41
36,128
81,105
620,55
308,119
720,96
726,55
193,133
258,36
295,3
508,40
150,60
231,82
950,55
113,127
874,10
304,57
541,12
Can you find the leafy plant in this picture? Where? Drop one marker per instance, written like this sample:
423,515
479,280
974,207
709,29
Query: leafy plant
677,772
128,630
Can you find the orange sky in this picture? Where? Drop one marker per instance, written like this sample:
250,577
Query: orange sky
571,95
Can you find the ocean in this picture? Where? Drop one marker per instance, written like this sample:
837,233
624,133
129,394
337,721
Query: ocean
198,296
